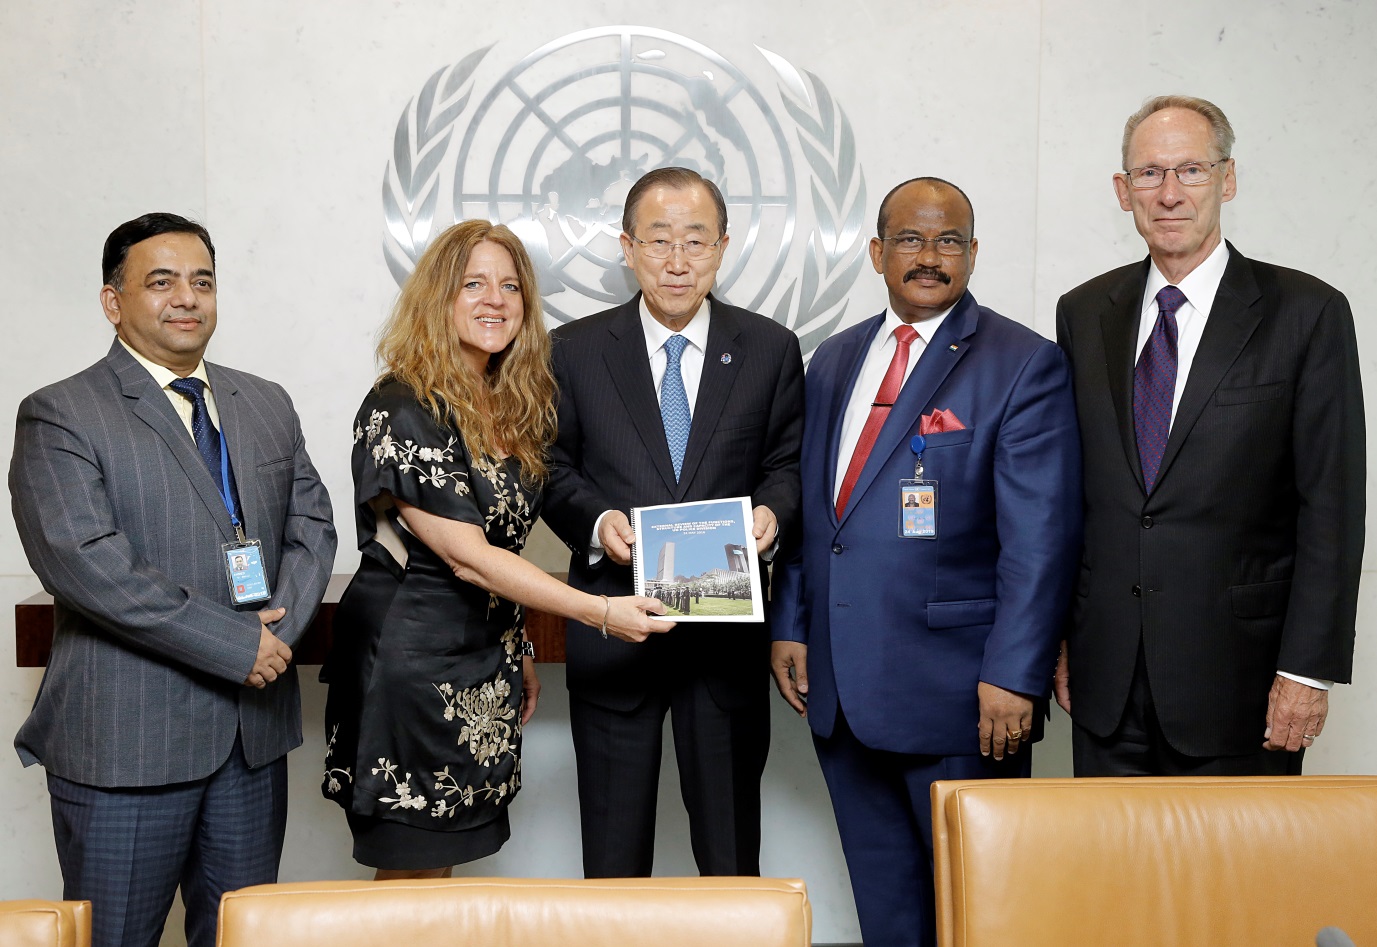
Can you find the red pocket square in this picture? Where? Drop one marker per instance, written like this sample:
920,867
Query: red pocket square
939,421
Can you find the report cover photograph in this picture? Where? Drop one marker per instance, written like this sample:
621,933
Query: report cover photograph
699,559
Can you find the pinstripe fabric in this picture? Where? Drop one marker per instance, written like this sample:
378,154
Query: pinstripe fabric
122,522
127,850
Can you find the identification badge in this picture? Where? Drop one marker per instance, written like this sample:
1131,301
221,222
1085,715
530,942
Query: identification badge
918,509
244,570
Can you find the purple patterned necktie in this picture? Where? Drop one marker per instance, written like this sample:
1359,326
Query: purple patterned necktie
1154,385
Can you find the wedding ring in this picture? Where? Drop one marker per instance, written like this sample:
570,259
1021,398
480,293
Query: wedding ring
1015,734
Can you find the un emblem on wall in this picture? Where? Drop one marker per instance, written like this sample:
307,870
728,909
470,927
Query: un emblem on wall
551,147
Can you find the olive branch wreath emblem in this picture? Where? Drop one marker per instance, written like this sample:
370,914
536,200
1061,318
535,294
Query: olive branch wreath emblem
812,304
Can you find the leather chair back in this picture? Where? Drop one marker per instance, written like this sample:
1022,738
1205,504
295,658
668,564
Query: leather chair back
514,912
1151,862
45,923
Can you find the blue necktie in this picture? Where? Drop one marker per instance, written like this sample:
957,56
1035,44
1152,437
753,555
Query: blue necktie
207,437
1154,385
674,406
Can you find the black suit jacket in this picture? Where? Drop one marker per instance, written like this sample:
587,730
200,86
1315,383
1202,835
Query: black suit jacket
1245,559
611,453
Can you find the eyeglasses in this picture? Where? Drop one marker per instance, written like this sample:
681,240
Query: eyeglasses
912,243
1189,174
663,249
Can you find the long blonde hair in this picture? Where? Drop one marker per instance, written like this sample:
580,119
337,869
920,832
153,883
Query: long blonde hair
511,408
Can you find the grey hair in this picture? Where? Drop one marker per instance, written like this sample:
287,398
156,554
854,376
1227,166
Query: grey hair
1219,122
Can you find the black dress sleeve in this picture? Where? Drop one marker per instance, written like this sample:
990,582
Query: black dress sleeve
400,450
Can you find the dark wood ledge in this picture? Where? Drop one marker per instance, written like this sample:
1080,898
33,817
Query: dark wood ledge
33,629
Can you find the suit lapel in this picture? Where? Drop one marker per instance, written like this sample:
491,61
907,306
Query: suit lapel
627,364
714,385
1233,319
1119,326
849,362
243,458
948,346
152,407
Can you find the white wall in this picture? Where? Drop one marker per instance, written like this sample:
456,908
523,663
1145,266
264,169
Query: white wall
272,122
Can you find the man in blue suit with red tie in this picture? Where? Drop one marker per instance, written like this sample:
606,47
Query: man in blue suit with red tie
922,647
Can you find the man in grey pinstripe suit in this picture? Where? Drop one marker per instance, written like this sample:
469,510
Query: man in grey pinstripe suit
167,711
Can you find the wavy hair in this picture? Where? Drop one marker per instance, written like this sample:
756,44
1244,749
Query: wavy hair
511,407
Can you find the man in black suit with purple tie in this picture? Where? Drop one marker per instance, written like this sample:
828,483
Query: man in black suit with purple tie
1221,417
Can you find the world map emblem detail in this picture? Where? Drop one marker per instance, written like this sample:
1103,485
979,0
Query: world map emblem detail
551,147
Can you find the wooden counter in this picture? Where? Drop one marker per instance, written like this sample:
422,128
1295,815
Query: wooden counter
33,629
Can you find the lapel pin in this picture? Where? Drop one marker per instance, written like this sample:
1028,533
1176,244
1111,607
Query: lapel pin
726,358
953,347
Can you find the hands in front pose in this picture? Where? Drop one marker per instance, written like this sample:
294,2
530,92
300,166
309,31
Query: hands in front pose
273,654
617,538
628,617
765,529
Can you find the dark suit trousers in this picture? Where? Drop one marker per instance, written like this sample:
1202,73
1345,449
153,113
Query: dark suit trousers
127,850
720,754
883,807
1139,748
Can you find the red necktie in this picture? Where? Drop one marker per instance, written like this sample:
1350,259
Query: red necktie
879,410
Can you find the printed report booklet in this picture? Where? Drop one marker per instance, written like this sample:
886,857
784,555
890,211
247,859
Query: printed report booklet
699,559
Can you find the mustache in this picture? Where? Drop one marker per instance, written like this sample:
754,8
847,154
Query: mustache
927,272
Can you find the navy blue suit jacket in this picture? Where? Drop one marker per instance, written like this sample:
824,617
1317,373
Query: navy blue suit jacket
900,631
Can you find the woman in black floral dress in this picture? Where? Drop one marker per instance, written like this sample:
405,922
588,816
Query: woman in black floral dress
429,680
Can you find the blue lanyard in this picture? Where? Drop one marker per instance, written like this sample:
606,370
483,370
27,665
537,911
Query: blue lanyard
225,493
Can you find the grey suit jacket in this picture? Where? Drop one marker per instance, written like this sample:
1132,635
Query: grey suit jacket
123,524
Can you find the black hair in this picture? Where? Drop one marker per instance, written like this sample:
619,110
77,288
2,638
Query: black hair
680,179
138,230
884,204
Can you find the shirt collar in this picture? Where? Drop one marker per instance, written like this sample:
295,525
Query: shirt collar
696,332
926,328
1200,285
163,375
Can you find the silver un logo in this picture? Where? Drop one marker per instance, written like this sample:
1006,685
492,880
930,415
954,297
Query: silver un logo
552,147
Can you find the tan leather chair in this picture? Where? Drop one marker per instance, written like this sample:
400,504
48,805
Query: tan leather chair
45,923
514,912
1154,861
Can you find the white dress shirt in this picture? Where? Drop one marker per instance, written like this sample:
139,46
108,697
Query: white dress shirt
1200,287
165,376
872,375
690,368
690,362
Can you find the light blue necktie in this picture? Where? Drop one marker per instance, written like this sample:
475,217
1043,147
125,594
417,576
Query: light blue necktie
674,406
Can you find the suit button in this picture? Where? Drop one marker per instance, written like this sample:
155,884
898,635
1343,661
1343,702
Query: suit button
1147,522
1137,591
836,549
